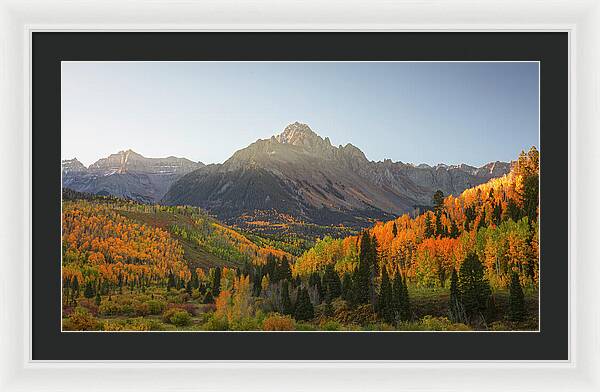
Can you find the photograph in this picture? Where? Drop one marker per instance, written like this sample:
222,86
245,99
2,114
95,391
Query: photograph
300,196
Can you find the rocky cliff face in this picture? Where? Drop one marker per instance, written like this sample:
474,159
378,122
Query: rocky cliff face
127,174
303,175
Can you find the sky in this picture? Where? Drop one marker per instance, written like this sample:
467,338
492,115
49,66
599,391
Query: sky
417,112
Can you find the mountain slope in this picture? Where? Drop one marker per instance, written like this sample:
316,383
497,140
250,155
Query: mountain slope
127,174
300,174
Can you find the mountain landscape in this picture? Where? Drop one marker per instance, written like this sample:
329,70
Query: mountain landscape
296,175
127,174
471,262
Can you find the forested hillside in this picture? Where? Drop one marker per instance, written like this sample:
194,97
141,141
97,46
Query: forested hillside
469,263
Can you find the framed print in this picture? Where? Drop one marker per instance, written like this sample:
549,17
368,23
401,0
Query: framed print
211,207
289,237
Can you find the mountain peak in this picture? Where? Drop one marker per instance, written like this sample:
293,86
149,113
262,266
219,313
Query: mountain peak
298,134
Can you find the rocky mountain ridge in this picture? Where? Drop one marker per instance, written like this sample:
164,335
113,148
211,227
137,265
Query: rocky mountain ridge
127,174
301,174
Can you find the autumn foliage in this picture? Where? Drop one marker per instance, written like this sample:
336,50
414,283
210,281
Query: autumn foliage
498,221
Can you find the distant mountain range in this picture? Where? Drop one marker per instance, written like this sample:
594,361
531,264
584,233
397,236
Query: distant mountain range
295,175
127,174
301,175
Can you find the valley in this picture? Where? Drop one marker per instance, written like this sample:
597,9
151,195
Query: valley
295,234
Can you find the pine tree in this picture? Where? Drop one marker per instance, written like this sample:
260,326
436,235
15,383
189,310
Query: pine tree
428,226
188,287
362,281
454,233
209,298
195,280
438,200
516,300
285,298
397,295
98,300
285,270
315,281
331,282
455,306
170,281
257,285
304,308
474,289
347,287
384,304
74,289
394,230
405,311
88,292
216,284
439,229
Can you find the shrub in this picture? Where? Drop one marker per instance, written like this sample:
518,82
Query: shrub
430,323
136,324
156,306
176,316
216,323
331,325
180,318
110,308
141,309
278,322
89,305
81,320
362,315
246,324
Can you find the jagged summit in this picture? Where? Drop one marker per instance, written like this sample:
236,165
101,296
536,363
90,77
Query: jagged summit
297,134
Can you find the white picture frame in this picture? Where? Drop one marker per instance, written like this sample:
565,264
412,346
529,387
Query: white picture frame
18,19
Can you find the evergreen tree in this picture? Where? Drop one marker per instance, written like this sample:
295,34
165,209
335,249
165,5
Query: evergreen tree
428,226
98,300
285,270
74,289
285,298
531,197
438,201
304,308
347,287
516,300
209,298
216,283
188,287
362,280
170,281
397,295
315,281
257,285
405,311
497,214
195,280
455,306
513,211
331,282
384,304
454,233
474,289
88,292
439,229
394,230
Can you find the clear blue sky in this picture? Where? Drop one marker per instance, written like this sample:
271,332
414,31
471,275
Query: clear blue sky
431,113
